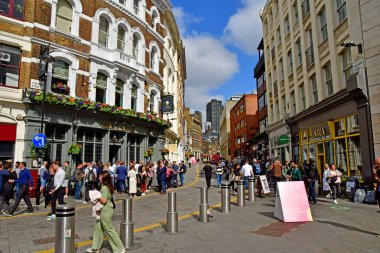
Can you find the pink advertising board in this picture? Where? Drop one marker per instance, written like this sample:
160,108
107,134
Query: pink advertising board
292,204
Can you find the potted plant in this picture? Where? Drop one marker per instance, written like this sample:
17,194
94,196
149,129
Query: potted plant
74,149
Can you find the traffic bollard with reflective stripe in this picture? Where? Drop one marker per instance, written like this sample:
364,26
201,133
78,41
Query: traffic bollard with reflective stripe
172,215
203,207
226,197
65,229
251,189
240,193
126,225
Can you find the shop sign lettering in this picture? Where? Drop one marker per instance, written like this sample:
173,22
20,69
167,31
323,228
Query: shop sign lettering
319,133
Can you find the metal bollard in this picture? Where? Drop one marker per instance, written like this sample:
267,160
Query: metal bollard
65,229
226,197
126,225
251,189
172,215
203,207
240,193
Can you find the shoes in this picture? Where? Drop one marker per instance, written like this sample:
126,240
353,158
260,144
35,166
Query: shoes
66,196
335,202
32,211
51,217
147,191
84,202
90,250
7,214
143,194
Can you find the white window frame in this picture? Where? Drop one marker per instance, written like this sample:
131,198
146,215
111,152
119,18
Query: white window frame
314,89
77,10
341,9
346,64
328,79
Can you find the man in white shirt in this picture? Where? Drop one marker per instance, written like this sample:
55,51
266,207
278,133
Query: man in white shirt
247,172
58,191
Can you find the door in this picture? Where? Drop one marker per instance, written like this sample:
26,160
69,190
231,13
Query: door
114,153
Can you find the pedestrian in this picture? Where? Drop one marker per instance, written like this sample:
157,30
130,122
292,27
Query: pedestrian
208,174
312,177
132,181
237,176
49,177
68,174
169,176
143,180
276,169
161,177
175,174
58,192
41,173
334,179
25,184
326,186
295,172
286,171
89,181
247,171
219,174
121,174
182,171
78,176
150,176
376,177
4,177
104,224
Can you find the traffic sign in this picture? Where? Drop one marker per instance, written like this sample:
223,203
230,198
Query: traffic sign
39,140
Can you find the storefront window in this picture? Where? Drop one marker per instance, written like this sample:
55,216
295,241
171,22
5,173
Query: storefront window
340,127
352,124
92,143
304,154
134,143
312,152
56,137
355,156
341,155
329,152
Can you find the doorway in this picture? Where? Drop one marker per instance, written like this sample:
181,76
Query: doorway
114,154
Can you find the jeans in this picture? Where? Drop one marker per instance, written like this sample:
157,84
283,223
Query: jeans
58,194
23,193
219,179
78,189
335,188
163,186
312,190
121,185
275,180
182,178
208,181
246,182
175,181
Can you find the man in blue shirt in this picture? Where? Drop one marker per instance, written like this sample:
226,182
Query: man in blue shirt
25,183
121,173
3,177
175,174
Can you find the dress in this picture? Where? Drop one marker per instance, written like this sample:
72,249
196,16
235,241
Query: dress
104,225
132,182
326,186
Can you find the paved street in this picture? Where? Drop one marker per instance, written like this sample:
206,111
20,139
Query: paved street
349,228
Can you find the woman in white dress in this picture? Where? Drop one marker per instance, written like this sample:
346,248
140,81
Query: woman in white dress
132,181
326,185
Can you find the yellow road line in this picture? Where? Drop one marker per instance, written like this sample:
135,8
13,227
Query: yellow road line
196,180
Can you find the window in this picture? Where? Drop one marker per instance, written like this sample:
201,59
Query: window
272,113
328,79
290,62
314,89
92,144
119,93
136,7
355,156
262,103
64,17
281,67
56,136
299,52
155,20
134,143
121,39
134,97
293,100
347,63
12,8
277,110
136,43
295,11
275,88
284,104
103,31
60,77
101,88
9,65
341,155
151,101
303,98
310,49
287,25
341,9
323,24
154,60
305,8
278,36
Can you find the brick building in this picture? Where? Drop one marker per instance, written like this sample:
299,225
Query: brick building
113,62
244,126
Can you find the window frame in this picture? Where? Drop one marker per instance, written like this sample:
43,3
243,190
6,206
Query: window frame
57,14
346,63
323,26
328,79
314,88
12,67
339,8
104,88
134,98
107,32
11,10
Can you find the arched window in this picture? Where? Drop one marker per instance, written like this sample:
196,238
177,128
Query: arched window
119,93
121,38
136,7
155,19
134,97
103,31
64,17
151,101
101,88
136,44
60,77
154,60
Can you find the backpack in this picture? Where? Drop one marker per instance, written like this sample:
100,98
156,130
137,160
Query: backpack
91,175
78,175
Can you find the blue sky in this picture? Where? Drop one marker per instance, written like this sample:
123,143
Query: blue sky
221,37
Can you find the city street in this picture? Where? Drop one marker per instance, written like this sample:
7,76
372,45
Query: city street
347,227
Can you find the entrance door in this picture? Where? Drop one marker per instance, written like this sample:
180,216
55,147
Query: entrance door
320,164
114,153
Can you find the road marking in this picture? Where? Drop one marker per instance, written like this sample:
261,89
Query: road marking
195,181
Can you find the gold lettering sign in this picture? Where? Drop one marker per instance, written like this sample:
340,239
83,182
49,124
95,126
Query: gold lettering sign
318,133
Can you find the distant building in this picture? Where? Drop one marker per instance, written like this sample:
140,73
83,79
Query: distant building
213,112
244,126
194,134
199,114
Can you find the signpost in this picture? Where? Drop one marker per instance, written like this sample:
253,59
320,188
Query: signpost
39,140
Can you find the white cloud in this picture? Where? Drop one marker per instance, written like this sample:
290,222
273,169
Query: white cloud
184,19
244,29
209,65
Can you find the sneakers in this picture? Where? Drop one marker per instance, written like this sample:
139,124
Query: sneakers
143,194
51,217
66,196
147,191
90,250
7,214
335,202
84,202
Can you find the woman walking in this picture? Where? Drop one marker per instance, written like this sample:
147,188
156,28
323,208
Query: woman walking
143,180
334,181
219,174
104,225
326,185
132,181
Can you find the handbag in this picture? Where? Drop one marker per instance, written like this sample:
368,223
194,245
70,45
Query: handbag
333,179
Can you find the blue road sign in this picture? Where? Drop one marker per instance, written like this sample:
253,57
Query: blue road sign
39,140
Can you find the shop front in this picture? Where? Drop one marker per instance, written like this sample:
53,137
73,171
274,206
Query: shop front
280,141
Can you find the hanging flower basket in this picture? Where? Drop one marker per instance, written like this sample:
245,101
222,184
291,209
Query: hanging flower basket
165,151
74,149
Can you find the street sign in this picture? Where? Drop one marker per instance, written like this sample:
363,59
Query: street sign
356,66
283,139
39,140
